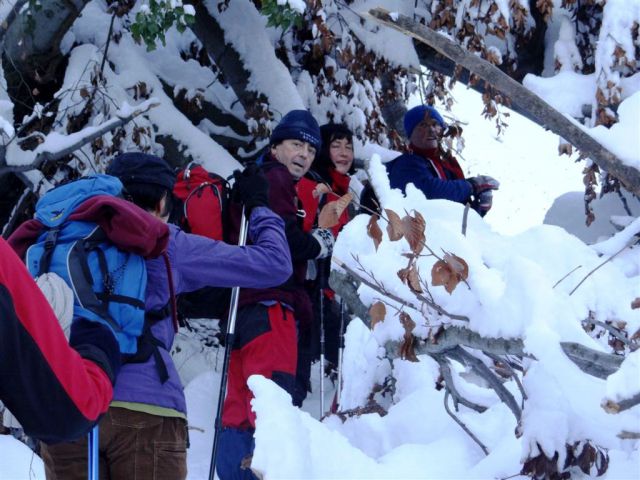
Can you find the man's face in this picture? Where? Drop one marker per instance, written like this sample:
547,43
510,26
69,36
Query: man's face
427,133
296,155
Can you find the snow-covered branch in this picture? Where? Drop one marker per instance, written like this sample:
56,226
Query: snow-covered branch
592,362
71,143
544,113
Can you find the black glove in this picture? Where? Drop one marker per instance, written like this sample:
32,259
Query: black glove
482,187
95,341
251,188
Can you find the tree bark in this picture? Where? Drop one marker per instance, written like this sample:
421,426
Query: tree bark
32,46
226,58
544,114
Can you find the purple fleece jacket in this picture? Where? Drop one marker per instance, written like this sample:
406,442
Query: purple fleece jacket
198,262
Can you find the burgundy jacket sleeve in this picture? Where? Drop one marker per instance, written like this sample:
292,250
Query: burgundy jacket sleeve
201,262
282,199
55,393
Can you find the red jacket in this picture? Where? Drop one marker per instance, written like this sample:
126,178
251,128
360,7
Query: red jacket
312,202
55,393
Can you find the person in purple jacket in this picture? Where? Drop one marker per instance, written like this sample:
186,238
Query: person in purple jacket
432,170
144,432
266,330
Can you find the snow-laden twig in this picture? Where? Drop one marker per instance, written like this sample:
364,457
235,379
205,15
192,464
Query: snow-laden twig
613,331
381,290
91,133
565,276
633,242
462,425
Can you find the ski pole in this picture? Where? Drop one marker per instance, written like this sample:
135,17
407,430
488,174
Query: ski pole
230,337
341,336
321,350
93,453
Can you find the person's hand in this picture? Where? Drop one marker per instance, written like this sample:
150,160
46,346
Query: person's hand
325,238
482,183
483,187
251,188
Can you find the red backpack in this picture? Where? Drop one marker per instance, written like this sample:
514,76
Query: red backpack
201,208
204,196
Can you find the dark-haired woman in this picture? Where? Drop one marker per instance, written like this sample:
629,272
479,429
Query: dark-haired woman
329,180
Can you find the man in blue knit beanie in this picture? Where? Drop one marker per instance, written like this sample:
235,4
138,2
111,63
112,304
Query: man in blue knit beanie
433,170
268,318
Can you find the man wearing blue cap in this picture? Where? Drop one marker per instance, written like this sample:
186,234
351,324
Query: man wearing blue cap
266,329
436,173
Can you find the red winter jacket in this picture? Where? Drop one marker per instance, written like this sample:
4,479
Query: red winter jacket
312,203
55,393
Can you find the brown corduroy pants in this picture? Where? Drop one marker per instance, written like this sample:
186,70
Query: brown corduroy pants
133,446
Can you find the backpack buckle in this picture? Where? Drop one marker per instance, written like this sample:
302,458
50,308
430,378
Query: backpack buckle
51,239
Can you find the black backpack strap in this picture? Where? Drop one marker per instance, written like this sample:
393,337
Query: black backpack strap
149,346
49,245
82,280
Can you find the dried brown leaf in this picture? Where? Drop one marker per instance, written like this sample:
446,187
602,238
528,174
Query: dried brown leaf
413,228
449,272
377,312
407,348
343,202
320,189
441,275
636,303
407,322
403,274
330,214
374,231
414,279
328,217
458,265
394,227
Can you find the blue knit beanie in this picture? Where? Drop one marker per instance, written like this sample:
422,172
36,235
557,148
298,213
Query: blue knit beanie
414,116
138,167
297,125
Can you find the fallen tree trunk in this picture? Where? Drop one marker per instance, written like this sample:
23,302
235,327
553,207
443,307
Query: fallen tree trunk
543,113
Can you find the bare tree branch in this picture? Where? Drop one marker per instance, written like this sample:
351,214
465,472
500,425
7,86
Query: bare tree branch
633,242
401,301
616,407
462,425
445,369
545,114
597,364
486,373
348,291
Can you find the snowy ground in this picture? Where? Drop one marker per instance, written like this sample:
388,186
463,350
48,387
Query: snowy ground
417,439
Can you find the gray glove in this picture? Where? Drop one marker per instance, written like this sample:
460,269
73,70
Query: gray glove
483,186
325,238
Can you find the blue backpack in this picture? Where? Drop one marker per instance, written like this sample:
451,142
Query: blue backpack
109,284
